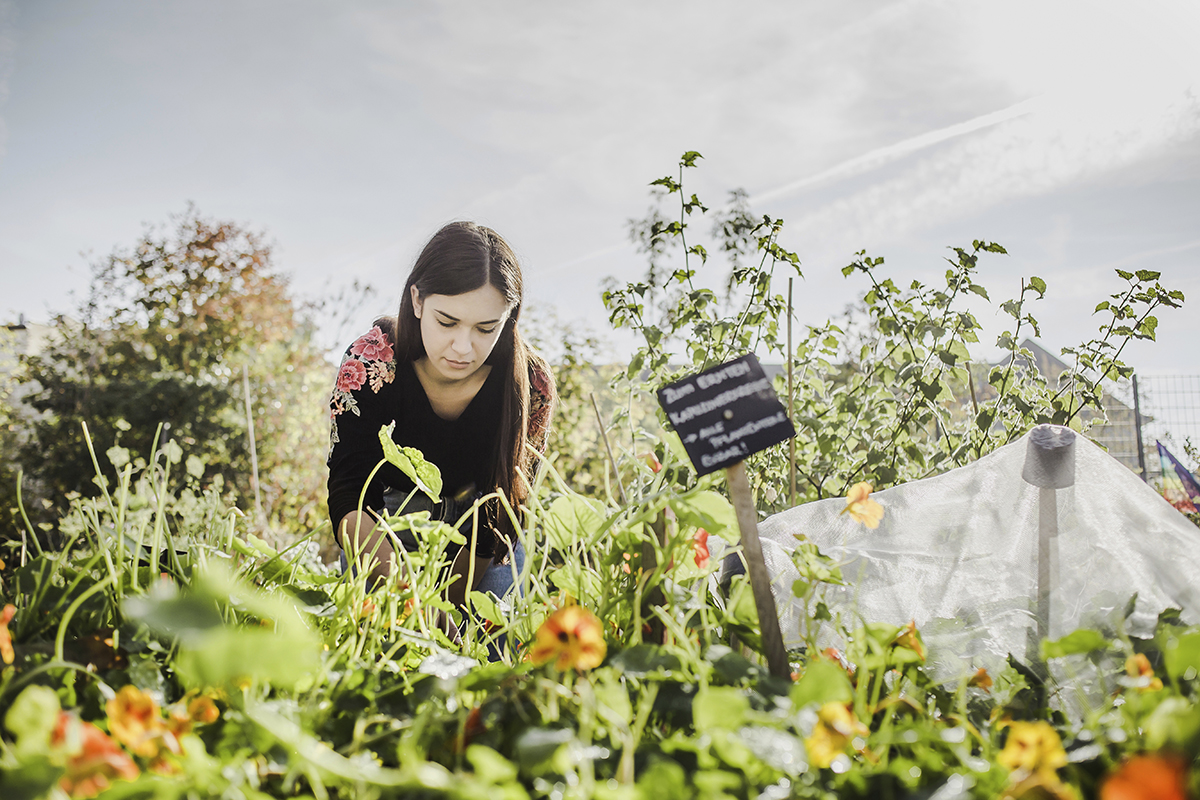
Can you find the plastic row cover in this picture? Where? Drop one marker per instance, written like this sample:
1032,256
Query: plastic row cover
959,554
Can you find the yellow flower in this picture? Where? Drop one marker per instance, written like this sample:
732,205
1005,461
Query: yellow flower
1032,747
134,721
835,729
910,639
1138,667
6,647
861,507
572,638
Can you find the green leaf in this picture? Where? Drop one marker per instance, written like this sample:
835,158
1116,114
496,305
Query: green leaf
213,653
32,718
411,461
1102,305
571,518
1148,327
490,766
644,659
1181,654
709,510
688,159
1038,285
823,682
720,708
485,605
1147,275
117,456
635,364
1084,640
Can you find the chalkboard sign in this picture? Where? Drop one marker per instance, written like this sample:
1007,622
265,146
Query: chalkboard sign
726,413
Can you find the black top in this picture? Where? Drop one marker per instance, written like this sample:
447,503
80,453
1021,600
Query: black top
461,448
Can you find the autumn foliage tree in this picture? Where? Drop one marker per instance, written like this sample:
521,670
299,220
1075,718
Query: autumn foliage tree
158,354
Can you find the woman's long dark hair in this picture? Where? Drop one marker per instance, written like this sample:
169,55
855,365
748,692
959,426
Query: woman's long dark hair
460,258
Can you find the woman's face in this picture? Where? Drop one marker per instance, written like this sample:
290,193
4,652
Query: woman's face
460,330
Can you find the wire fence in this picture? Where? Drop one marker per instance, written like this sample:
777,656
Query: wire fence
1169,410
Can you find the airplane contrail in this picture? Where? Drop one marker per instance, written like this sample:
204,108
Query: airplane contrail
893,151
855,165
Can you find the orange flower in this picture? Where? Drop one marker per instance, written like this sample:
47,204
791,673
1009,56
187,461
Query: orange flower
192,709
1138,667
368,610
910,639
203,710
134,721
652,462
6,646
1147,777
981,680
836,728
700,547
861,507
93,758
409,605
572,638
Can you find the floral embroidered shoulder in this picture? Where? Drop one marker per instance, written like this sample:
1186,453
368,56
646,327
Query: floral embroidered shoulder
371,390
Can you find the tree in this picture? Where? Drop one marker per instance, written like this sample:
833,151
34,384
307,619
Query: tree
166,330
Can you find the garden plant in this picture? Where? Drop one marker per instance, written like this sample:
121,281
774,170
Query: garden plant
161,649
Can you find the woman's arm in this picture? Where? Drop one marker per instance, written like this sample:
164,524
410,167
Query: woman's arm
362,538
456,592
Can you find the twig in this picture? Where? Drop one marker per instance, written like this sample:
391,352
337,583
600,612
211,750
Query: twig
608,447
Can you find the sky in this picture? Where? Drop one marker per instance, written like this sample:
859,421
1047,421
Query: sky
1069,132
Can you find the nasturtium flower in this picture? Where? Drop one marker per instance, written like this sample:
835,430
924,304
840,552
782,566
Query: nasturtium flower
836,729
1138,667
1032,747
910,639
861,507
191,709
700,547
572,637
134,721
652,462
981,680
368,609
6,646
93,759
1147,777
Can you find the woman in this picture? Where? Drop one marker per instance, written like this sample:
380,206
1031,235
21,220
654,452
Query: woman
453,373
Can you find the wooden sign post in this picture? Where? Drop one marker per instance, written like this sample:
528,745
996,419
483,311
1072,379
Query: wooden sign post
723,415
